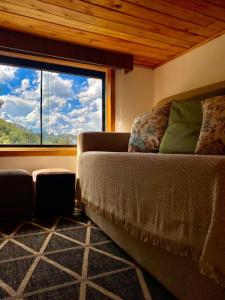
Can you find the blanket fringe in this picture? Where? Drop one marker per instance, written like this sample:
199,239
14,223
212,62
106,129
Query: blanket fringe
147,237
165,244
212,272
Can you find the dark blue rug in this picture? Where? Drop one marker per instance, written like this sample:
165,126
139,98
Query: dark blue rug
69,258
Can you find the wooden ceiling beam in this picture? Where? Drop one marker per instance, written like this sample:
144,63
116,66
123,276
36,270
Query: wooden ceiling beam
218,2
64,16
154,16
76,36
179,12
159,32
204,7
146,62
12,41
174,10
152,31
195,17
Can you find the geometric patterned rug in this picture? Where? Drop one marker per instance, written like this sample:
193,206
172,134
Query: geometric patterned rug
69,258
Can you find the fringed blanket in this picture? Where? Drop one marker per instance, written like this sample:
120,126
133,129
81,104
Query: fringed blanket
176,202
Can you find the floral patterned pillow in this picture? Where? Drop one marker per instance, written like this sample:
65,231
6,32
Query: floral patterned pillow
212,135
148,130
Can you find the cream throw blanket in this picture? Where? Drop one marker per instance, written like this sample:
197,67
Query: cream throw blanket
176,202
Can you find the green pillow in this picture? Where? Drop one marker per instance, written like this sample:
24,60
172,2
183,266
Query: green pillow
183,129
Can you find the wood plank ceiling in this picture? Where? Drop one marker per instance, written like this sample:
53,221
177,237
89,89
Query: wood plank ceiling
153,31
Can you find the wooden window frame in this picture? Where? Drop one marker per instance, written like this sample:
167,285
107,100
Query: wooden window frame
66,151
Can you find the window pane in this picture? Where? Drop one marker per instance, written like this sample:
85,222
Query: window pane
19,106
71,104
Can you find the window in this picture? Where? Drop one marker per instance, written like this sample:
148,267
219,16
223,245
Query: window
47,104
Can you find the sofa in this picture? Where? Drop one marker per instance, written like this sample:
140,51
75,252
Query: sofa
167,211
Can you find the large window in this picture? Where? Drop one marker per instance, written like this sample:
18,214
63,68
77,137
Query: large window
48,105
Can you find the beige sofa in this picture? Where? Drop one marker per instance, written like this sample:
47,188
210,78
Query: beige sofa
160,209
167,211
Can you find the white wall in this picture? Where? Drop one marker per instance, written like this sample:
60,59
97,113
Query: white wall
202,66
134,95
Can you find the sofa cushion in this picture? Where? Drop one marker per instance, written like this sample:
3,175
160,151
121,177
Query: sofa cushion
212,134
148,130
182,133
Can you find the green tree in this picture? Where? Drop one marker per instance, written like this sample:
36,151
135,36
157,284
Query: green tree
16,135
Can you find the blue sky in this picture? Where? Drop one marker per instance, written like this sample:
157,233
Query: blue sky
71,104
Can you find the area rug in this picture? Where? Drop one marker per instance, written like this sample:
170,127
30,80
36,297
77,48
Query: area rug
69,258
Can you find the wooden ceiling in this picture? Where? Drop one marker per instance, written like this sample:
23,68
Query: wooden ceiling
153,31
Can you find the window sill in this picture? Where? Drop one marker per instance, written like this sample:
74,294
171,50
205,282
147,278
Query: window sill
21,151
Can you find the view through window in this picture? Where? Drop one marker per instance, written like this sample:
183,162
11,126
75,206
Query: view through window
44,107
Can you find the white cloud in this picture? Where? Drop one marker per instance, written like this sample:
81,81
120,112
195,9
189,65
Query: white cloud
7,73
89,117
57,91
91,91
22,105
28,91
16,106
31,121
25,84
54,85
54,103
78,112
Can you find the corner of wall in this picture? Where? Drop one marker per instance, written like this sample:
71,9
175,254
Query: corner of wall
134,95
204,65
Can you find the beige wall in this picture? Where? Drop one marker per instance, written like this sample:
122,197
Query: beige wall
202,66
134,95
38,162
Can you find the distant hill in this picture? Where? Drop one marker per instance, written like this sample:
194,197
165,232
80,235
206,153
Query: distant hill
60,139
15,134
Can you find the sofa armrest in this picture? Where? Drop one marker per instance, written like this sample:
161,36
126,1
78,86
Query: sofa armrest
103,141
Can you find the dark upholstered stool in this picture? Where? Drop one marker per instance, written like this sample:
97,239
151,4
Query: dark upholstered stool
55,192
16,194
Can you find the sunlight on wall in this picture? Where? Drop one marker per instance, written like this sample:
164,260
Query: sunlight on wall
134,95
202,66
